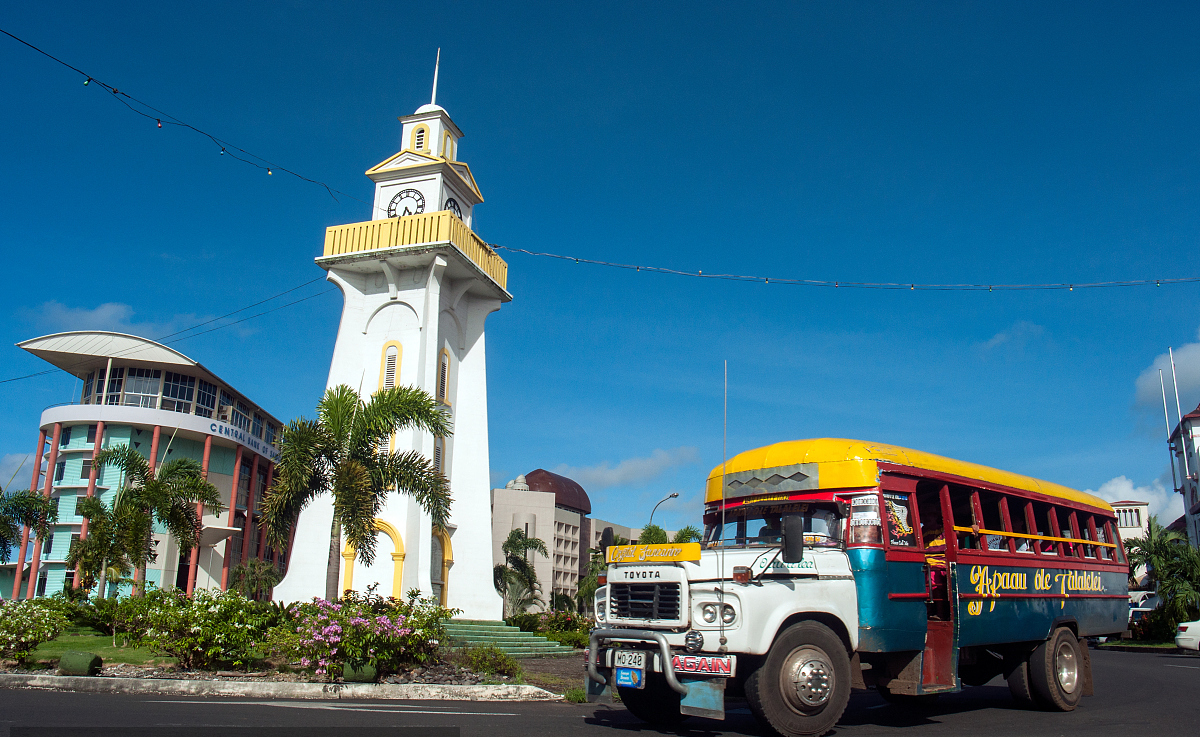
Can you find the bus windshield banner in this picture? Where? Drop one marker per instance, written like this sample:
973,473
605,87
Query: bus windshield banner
660,553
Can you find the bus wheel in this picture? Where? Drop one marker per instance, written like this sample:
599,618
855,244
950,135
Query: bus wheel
802,687
656,704
1016,672
1056,671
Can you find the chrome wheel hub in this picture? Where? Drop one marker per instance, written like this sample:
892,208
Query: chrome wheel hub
1066,667
808,679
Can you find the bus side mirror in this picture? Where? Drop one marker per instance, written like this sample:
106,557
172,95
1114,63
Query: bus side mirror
793,538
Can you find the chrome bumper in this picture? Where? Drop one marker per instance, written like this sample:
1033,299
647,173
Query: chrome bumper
664,648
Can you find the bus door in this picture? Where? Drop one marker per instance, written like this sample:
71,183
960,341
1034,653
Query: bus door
941,556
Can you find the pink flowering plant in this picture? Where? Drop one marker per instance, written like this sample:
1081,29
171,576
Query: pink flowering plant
360,630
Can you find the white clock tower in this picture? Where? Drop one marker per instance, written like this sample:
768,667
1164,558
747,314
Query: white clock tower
418,285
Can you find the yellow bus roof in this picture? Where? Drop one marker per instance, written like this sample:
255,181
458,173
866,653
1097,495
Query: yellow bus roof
841,464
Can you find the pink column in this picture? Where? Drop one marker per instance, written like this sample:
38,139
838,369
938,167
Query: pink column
194,561
249,511
37,549
237,479
37,474
91,489
154,450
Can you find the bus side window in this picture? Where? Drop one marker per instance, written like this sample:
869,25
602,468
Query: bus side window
993,519
1097,534
1077,532
1114,538
1046,526
929,508
962,508
1060,526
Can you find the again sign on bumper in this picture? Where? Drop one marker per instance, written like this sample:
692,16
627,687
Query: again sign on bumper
705,665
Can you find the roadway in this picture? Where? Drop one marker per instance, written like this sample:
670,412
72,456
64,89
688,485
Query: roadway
1136,693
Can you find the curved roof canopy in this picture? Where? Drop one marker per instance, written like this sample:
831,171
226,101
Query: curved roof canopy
838,463
72,351
567,493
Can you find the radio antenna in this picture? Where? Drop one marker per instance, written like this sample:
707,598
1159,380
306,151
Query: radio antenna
1187,469
724,461
1167,424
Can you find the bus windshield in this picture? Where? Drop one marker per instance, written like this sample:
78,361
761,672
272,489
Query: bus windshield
761,526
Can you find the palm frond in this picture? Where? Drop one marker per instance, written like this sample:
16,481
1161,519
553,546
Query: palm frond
337,410
399,408
300,475
125,458
357,502
413,474
26,507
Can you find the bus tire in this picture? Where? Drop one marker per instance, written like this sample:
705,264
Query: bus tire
803,686
1056,671
656,704
1019,684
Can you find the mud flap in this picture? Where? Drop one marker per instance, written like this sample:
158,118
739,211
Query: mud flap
597,693
705,697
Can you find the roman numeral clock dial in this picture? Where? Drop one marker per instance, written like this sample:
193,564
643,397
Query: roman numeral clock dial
406,202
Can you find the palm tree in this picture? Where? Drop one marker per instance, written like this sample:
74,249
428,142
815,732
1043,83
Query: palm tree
1154,550
689,534
515,578
1179,583
24,508
114,536
589,583
255,578
168,496
343,452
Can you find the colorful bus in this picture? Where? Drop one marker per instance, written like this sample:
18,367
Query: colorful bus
833,564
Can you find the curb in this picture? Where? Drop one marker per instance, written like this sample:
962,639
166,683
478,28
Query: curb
1143,649
279,690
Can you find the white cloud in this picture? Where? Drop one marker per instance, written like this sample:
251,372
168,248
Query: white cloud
1187,372
1013,341
9,466
54,316
1163,502
631,471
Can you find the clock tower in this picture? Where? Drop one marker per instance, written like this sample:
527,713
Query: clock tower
418,285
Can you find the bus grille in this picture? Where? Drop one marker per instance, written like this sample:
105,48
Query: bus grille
644,600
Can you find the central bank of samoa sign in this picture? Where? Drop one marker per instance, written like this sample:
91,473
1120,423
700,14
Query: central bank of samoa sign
662,553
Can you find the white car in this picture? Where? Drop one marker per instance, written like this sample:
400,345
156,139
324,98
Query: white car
1187,636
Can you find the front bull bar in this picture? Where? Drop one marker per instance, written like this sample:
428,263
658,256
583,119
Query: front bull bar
645,636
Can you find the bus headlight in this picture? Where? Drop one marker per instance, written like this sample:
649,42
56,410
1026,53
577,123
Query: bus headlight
728,614
709,613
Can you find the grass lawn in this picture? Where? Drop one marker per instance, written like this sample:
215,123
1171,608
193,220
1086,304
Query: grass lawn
91,641
1136,643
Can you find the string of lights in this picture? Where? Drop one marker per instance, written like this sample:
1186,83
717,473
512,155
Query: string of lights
856,285
226,148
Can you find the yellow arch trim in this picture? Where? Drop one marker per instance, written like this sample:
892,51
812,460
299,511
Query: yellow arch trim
447,146
397,559
447,560
413,139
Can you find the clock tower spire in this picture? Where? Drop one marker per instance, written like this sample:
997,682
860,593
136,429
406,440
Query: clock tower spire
418,285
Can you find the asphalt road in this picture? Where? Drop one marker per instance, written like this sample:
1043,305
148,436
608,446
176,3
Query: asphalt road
1135,693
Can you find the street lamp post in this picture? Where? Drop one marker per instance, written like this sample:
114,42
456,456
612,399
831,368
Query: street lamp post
672,495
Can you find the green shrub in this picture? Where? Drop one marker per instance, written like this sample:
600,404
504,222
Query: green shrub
26,624
491,660
576,696
1158,625
571,639
209,628
554,621
525,621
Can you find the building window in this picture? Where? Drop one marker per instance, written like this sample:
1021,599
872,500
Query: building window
69,580
241,416
206,398
59,470
448,146
178,391
443,378
141,388
270,433
116,378
439,455
41,585
419,137
91,437
257,427
88,383
85,470
64,438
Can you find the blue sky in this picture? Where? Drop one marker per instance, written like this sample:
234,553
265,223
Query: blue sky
921,142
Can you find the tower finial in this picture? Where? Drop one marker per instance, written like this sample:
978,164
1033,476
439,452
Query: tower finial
433,99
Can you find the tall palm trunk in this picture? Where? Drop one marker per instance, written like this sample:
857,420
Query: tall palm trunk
331,567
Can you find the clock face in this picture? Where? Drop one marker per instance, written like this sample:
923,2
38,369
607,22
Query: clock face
406,202
453,207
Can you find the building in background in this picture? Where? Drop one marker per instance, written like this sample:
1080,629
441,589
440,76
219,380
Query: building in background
136,392
417,286
554,509
1133,520
1183,445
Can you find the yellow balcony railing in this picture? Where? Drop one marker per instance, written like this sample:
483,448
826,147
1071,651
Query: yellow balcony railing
415,230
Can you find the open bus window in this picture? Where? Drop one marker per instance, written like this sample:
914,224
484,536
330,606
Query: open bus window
989,504
964,516
1020,525
929,505
1042,517
762,526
